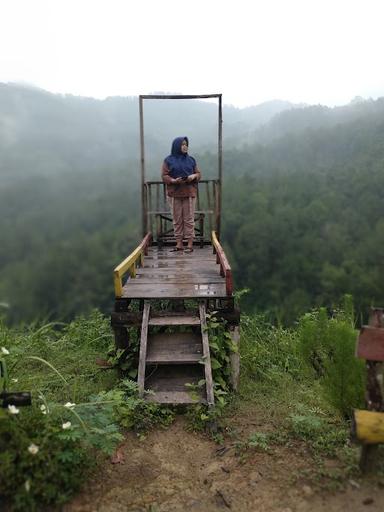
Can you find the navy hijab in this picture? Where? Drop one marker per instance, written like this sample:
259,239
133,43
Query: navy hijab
180,165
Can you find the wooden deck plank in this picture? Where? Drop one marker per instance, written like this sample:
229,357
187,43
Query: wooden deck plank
173,275
175,320
153,249
175,279
178,264
184,270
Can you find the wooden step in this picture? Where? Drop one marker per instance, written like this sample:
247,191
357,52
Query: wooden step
174,397
167,385
175,319
174,348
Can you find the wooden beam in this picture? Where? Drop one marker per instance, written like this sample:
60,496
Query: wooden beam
207,356
234,331
143,348
128,318
370,343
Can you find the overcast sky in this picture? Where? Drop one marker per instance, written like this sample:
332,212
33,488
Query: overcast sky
311,51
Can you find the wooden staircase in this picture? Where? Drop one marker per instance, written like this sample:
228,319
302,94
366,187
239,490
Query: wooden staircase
172,363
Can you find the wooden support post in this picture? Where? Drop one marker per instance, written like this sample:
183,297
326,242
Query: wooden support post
121,336
126,318
234,331
371,344
120,331
207,356
143,348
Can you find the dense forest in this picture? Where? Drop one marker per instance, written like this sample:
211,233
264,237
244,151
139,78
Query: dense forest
303,210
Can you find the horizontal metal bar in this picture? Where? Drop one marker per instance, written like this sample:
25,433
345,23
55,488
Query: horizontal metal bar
162,212
177,96
162,183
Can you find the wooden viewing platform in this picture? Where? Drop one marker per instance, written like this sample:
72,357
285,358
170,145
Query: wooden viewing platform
166,274
171,361
166,296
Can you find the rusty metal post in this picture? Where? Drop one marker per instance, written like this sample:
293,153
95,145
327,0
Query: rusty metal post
220,156
144,198
142,162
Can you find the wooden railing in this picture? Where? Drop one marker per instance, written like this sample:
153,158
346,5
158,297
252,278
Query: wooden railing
130,263
158,218
225,268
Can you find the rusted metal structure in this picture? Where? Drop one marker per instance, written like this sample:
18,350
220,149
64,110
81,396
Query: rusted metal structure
167,295
368,425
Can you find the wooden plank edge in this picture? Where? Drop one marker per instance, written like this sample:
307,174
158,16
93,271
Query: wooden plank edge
368,427
370,343
130,264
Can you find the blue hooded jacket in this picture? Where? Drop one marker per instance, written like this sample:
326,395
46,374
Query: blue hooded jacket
180,165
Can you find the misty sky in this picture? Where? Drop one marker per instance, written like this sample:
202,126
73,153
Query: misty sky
312,51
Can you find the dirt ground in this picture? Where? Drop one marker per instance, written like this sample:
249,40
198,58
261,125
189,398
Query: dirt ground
176,470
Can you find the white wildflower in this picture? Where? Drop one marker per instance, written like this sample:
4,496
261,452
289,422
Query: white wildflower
27,485
5,351
66,425
69,405
32,448
12,409
43,409
15,380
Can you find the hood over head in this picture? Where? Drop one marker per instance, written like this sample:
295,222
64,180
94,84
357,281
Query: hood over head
176,145
181,165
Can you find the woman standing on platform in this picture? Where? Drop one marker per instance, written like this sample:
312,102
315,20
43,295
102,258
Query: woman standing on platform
181,174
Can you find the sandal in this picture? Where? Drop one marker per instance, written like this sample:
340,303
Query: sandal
188,249
177,249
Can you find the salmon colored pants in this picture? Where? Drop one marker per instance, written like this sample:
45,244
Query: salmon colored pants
183,216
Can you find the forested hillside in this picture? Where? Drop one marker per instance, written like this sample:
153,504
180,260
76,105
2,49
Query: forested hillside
304,213
303,209
48,134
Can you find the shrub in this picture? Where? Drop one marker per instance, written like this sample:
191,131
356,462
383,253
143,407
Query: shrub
327,345
267,351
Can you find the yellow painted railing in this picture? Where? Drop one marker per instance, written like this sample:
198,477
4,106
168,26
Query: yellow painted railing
130,263
369,426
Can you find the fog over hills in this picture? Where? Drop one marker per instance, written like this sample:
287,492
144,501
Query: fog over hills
302,197
44,134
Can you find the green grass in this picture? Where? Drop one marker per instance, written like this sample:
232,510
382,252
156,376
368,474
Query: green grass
291,398
71,351
78,414
301,382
